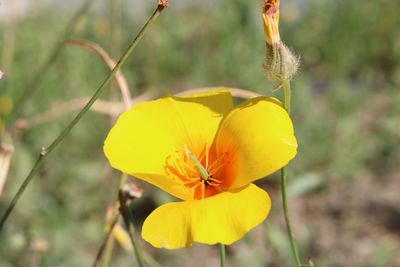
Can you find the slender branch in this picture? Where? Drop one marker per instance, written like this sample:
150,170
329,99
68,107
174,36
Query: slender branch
34,83
46,151
287,219
287,101
107,254
222,255
287,95
105,241
127,217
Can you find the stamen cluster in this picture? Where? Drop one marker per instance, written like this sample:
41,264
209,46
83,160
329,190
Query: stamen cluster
201,175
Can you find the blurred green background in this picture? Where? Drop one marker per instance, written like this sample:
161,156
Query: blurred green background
344,183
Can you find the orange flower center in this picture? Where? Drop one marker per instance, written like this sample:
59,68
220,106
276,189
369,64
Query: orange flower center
202,174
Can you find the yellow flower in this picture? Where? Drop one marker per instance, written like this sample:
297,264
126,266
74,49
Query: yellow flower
203,151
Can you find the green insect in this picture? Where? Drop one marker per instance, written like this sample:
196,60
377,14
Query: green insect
203,172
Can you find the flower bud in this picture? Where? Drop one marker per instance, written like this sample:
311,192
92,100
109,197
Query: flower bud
280,63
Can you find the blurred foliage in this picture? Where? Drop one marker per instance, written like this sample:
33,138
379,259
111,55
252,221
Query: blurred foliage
346,112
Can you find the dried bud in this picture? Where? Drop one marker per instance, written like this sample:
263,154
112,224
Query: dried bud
271,21
280,63
132,191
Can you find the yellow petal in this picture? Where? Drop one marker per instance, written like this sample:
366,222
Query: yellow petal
223,218
219,100
145,136
258,136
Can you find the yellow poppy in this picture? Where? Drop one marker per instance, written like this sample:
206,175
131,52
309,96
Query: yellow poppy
205,152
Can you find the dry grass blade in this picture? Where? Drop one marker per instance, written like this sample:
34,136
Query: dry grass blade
110,108
6,152
113,108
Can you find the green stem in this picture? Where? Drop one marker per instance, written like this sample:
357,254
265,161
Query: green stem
222,255
105,244
287,95
287,102
127,218
46,151
287,218
151,262
105,261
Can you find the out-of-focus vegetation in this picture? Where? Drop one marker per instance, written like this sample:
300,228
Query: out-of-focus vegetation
343,183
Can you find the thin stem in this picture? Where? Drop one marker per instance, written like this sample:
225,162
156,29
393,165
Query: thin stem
151,262
105,242
287,102
287,219
106,259
46,151
34,83
287,95
127,218
222,255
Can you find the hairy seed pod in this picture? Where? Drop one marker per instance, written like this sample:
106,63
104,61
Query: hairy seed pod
280,63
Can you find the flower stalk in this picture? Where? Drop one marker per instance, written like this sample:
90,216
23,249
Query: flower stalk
127,218
287,95
280,65
293,245
106,244
222,255
46,151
